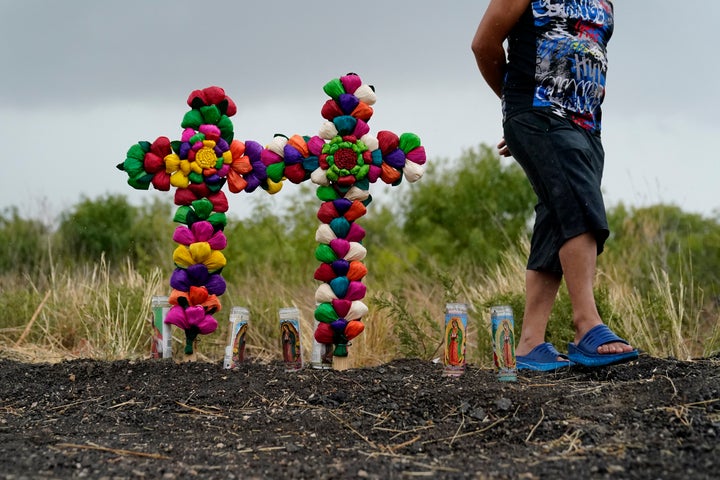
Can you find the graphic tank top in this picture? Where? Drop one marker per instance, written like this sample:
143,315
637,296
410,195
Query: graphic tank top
557,60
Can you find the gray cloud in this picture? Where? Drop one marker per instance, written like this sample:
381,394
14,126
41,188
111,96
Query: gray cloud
84,79
87,51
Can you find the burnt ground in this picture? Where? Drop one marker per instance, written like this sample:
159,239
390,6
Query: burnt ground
652,418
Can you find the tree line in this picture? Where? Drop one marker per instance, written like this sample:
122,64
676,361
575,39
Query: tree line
463,215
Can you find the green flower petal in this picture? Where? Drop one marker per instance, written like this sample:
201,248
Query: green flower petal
325,313
181,214
140,182
325,254
198,137
215,187
408,142
210,114
203,207
332,173
134,166
334,88
196,177
136,152
362,172
226,128
192,119
326,193
275,171
218,220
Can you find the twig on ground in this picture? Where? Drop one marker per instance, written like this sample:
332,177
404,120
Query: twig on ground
64,407
113,450
672,384
403,432
269,449
201,411
404,444
683,406
532,431
467,434
457,431
575,442
584,391
129,402
349,427
381,418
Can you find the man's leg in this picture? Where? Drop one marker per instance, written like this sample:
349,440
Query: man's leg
540,291
578,257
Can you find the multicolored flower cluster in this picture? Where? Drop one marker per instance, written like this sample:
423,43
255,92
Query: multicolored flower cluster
339,299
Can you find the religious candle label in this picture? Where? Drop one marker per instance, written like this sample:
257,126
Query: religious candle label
235,351
290,338
503,337
455,338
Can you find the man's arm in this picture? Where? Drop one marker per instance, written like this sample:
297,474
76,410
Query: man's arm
487,45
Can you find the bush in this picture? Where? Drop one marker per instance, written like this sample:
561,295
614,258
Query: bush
471,214
23,243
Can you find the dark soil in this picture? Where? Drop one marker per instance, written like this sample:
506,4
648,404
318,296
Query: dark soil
652,418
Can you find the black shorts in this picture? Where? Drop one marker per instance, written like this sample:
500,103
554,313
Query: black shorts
564,164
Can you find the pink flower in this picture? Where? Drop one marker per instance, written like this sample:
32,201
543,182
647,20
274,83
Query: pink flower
191,318
200,232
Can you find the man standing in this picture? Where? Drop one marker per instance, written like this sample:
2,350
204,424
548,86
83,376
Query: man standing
552,83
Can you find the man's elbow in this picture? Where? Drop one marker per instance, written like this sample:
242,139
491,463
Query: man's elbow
483,54
477,47
482,48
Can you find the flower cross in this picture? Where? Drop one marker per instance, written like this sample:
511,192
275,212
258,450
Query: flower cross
342,159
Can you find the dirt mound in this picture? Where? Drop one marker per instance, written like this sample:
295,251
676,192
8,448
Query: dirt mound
652,418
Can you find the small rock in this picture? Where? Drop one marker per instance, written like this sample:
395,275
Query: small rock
478,414
503,403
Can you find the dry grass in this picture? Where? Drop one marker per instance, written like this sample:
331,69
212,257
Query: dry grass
92,312
666,327
102,312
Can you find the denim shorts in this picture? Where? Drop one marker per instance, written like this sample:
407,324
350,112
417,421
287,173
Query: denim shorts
564,164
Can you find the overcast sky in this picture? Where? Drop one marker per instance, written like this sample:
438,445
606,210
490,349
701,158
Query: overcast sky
83,80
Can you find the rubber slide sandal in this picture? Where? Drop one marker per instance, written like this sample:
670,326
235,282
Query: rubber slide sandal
543,358
585,352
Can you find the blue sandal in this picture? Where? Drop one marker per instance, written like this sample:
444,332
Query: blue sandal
543,358
585,352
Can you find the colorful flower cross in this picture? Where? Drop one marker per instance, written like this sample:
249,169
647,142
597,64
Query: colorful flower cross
343,159
198,165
